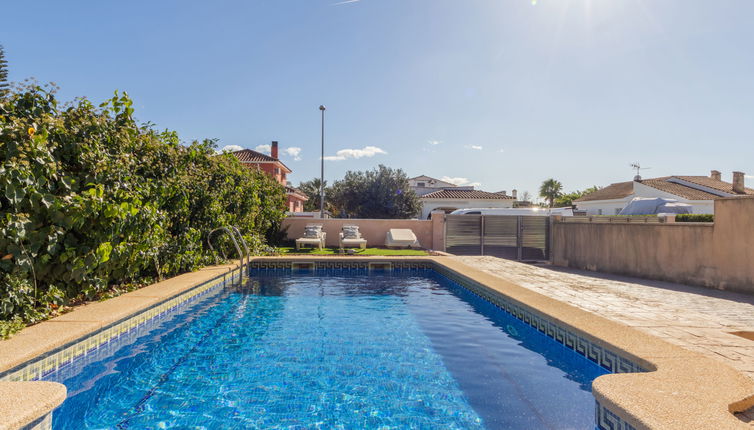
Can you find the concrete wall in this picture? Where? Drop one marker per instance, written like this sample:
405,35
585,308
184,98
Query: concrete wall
719,255
373,230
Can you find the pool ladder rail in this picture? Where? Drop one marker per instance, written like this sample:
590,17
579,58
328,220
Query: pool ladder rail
245,255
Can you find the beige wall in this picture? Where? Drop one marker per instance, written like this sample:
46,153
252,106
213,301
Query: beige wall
373,230
717,256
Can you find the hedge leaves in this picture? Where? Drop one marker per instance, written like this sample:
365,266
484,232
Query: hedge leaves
90,200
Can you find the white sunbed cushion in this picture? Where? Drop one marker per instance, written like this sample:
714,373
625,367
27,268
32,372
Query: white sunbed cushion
312,232
351,232
402,235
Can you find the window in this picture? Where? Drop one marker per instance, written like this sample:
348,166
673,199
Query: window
421,184
617,210
599,211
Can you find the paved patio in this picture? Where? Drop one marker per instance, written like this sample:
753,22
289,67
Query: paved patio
695,318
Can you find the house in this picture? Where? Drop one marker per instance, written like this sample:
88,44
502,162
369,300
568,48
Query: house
435,194
449,200
272,166
697,191
424,185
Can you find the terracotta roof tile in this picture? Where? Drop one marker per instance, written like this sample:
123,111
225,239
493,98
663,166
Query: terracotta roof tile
708,182
624,189
465,194
251,156
248,155
618,190
297,192
679,190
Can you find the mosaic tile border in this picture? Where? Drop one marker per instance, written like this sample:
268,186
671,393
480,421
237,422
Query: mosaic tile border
604,418
339,264
41,366
594,352
42,423
607,420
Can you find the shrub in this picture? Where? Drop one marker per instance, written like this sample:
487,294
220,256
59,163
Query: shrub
694,218
90,199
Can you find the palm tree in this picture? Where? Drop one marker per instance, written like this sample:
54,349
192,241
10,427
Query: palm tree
312,189
550,190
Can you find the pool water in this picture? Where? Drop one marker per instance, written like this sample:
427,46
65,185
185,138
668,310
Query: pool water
332,349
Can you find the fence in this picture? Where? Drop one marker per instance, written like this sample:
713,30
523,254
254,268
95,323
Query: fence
505,236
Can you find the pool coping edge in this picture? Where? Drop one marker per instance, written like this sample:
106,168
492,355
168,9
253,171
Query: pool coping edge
679,389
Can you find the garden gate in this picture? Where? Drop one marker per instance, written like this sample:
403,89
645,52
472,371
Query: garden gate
513,237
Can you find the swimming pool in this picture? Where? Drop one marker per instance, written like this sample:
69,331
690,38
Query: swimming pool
332,349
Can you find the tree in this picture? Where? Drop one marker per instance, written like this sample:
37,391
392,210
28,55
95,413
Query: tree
311,189
379,193
550,190
567,199
3,73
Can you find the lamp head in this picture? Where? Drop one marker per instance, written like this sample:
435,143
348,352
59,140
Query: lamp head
322,107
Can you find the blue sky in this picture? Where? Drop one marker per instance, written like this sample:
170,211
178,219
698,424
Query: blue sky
504,93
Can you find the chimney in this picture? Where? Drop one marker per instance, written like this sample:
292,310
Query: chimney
715,174
274,150
738,183
514,194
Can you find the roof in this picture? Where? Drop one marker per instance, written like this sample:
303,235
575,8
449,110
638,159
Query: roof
708,182
433,181
297,192
422,177
249,156
466,194
668,184
679,190
618,190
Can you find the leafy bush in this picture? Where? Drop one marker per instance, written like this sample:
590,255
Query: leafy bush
694,218
382,193
90,200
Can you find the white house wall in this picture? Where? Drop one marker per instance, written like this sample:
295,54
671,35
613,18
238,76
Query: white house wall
603,207
697,206
429,205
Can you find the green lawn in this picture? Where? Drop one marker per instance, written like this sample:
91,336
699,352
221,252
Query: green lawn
335,251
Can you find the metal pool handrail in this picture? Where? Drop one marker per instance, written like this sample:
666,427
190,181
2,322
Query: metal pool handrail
230,232
245,247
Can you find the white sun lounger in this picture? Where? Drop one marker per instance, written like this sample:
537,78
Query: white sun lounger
350,237
401,238
313,235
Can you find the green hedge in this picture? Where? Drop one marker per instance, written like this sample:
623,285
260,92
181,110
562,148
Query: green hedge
92,202
694,218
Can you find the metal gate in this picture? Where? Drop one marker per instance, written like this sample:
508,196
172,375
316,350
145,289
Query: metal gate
506,236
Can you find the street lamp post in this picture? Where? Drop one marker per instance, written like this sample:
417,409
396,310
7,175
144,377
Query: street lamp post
322,168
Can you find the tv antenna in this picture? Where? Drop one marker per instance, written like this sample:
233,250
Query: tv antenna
638,168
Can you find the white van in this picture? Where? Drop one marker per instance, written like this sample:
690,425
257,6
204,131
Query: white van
515,211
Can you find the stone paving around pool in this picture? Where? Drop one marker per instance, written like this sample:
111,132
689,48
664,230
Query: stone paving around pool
695,318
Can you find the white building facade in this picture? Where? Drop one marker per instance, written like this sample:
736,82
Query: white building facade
424,185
